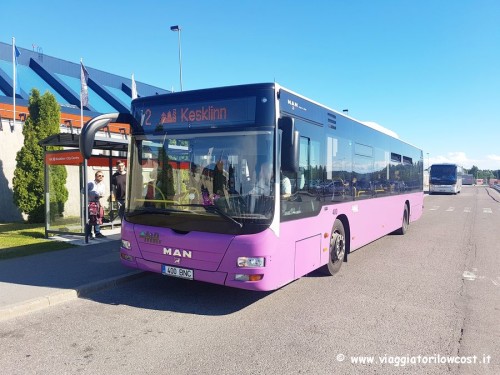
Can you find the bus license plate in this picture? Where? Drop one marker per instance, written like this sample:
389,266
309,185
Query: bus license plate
183,273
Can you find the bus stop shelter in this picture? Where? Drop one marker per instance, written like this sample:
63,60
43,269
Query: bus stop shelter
69,216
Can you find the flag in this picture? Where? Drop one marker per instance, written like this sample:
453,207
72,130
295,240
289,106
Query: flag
17,53
84,92
15,82
134,88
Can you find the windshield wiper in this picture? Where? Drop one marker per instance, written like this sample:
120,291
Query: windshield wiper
151,210
223,214
215,209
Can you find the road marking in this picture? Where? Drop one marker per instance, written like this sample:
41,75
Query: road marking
471,276
466,209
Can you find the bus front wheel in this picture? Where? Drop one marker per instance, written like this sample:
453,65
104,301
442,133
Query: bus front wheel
337,249
405,223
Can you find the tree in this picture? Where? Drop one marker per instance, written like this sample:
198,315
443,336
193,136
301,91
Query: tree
58,191
473,171
28,181
486,174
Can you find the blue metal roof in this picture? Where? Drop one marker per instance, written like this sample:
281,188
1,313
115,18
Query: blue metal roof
107,92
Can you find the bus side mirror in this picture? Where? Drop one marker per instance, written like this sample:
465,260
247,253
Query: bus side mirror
89,130
289,145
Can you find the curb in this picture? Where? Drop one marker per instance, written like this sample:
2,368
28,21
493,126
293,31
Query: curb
42,302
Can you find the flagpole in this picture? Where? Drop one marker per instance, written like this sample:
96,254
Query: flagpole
81,103
83,86
134,88
14,80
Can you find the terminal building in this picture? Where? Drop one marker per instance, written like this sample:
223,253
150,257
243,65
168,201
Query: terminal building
107,92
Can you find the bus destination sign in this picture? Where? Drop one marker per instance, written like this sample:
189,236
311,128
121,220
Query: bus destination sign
224,112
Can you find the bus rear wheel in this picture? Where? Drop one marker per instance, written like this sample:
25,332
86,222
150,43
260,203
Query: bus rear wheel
337,249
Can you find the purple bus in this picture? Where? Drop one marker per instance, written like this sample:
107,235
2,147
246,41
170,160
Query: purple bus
254,186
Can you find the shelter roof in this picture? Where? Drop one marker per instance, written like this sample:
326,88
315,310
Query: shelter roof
73,140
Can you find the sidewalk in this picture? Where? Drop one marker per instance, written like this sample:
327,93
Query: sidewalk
34,282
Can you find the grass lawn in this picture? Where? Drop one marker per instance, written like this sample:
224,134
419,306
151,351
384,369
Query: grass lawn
20,239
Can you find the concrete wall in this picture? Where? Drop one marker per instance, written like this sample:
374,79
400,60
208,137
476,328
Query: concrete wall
11,141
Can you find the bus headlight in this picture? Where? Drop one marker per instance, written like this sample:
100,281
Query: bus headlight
241,277
251,262
126,244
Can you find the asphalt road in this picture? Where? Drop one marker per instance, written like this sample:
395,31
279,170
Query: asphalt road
407,303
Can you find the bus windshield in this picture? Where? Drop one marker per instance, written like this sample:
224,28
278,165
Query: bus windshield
202,176
443,174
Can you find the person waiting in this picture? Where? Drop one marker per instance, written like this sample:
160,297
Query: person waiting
118,182
95,191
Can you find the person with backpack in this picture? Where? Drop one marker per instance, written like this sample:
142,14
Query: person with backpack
95,190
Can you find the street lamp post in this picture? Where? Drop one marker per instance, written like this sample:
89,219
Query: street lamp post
177,28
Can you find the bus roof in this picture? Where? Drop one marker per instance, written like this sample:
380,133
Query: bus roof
370,124
381,129
190,94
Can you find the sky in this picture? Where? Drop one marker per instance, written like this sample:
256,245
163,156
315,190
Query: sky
427,69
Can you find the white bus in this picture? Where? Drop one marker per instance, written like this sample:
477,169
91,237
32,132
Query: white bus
445,178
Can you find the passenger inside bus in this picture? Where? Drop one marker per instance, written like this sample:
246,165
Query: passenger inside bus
263,184
219,178
285,186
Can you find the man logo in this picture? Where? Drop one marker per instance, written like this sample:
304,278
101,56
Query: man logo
177,252
150,237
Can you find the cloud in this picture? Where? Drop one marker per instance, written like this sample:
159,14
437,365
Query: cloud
494,157
458,157
491,162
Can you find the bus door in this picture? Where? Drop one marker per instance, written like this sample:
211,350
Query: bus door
307,248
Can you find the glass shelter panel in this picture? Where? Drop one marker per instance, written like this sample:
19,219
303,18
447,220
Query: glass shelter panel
65,197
